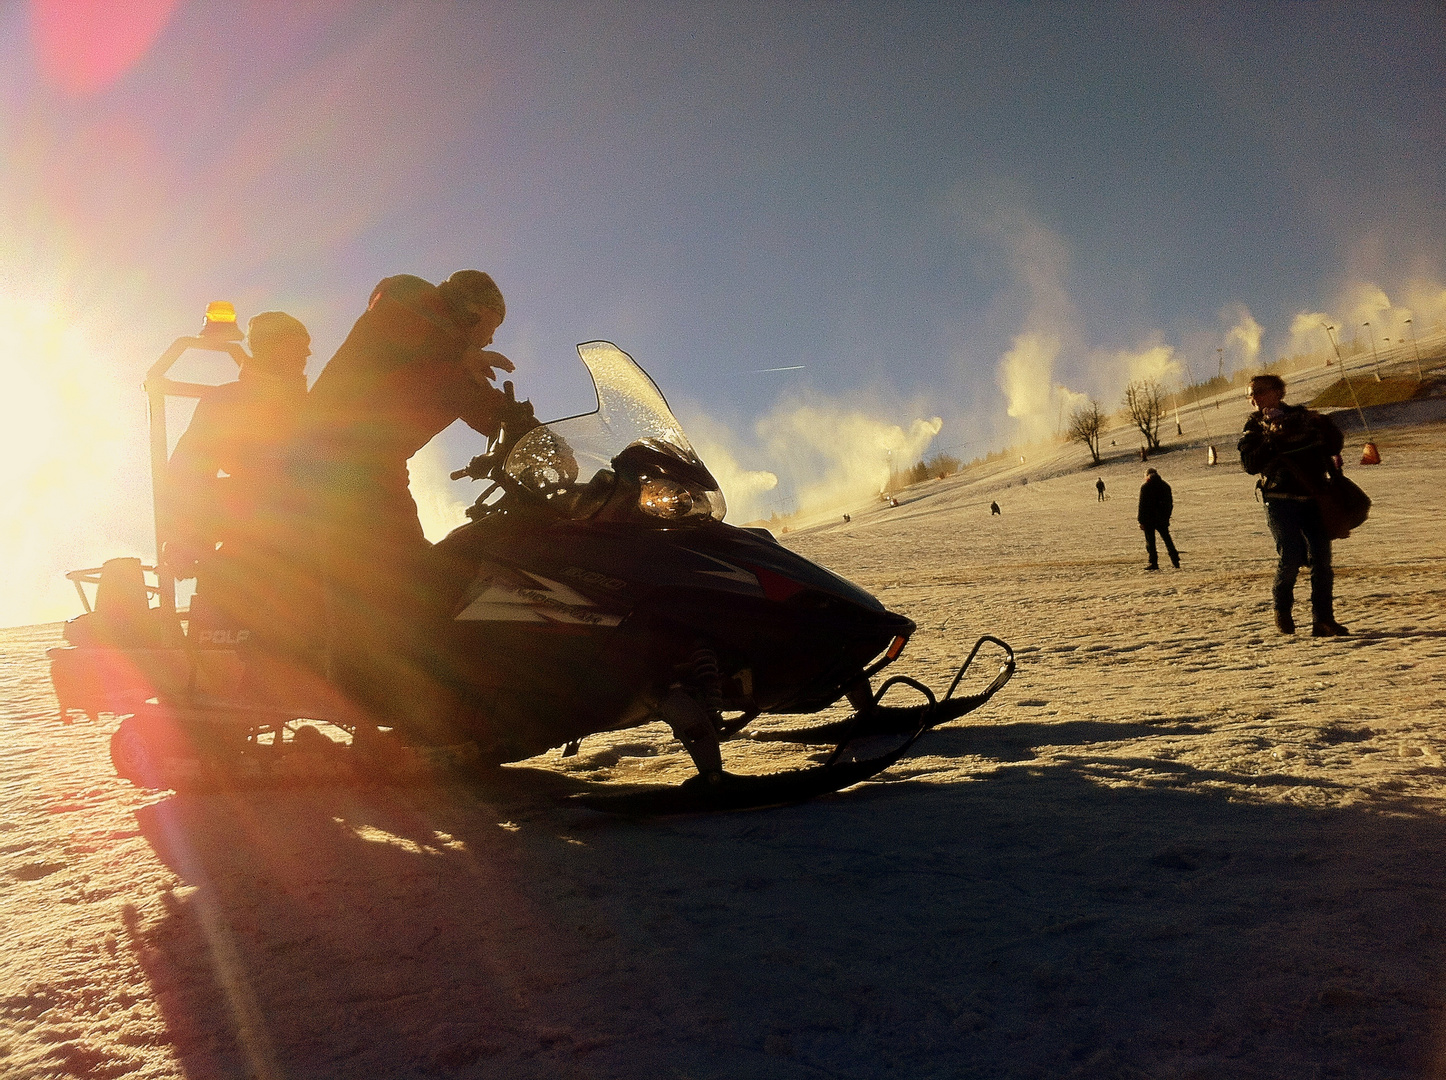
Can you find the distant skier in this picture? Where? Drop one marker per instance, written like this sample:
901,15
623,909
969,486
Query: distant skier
1157,503
1100,488
994,509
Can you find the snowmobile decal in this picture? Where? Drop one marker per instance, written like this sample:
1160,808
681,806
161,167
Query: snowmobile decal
498,599
732,573
229,638
593,578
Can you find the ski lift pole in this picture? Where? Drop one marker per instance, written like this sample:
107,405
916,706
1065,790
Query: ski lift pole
1359,411
1210,455
1370,455
1346,375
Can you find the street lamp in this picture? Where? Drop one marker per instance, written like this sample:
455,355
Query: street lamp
1331,338
1417,344
1220,374
1374,357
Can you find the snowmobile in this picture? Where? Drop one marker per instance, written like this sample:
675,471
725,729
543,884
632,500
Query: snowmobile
596,588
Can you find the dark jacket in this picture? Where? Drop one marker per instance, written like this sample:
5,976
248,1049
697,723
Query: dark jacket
396,381
244,429
1157,503
1299,441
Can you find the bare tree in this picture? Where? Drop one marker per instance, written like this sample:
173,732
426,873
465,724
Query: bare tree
1145,402
1085,425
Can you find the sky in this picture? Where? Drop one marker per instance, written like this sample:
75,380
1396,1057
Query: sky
947,223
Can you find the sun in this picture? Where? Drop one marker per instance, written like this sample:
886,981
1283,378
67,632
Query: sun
66,437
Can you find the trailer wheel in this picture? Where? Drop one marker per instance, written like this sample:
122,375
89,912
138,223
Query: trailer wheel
137,752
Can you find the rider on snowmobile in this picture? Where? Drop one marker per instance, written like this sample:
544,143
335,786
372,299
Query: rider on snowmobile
415,362
240,534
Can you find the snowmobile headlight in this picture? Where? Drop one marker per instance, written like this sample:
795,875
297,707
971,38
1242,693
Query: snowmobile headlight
675,501
666,499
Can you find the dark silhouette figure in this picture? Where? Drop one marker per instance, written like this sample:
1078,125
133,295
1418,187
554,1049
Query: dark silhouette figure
993,509
415,362
1157,503
236,518
1289,447
1100,488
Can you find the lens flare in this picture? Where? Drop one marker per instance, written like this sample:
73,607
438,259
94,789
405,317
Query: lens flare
83,46
68,448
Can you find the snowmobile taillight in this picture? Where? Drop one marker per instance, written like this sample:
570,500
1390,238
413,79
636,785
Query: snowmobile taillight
220,322
896,646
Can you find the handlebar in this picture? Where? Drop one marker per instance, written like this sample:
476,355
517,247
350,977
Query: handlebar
513,416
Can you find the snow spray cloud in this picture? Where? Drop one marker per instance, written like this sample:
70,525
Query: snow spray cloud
807,457
1154,363
838,455
744,489
1025,374
1243,339
1307,333
1368,303
1422,301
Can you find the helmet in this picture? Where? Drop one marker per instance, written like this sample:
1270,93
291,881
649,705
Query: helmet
265,331
470,292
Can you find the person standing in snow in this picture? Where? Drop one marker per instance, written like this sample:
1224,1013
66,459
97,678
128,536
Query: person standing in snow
1157,503
1287,446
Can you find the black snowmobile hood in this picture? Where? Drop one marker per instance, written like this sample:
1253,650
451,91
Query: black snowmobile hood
779,572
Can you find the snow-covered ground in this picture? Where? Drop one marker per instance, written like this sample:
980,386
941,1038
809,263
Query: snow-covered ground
1178,844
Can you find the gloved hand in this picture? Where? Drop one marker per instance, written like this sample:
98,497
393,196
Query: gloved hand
515,416
481,364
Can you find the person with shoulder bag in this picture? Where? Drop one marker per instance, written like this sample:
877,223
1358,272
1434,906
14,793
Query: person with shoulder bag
1294,451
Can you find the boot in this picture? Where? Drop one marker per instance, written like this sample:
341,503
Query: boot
1328,628
1284,623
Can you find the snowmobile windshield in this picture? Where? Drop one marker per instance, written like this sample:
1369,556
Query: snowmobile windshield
566,459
